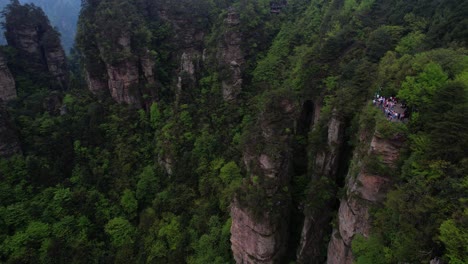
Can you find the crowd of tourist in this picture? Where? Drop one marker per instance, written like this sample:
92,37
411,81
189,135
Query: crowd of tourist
393,110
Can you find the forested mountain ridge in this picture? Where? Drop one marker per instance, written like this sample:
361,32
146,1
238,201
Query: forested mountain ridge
240,131
62,13
36,49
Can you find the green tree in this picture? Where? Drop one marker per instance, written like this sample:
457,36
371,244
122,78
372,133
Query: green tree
148,185
455,238
129,203
419,91
120,231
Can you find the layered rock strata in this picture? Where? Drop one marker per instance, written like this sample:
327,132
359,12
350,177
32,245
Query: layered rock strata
38,46
7,83
231,57
363,191
316,220
126,79
262,237
188,52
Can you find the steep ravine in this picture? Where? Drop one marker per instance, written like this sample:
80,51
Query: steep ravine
324,178
285,225
7,83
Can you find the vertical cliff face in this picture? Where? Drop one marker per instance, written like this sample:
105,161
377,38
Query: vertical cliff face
324,169
56,60
9,142
257,240
260,217
188,48
126,79
122,76
363,191
7,83
117,56
231,57
97,83
39,51
116,53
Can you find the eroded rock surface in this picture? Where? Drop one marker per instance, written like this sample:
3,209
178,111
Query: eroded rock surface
123,82
231,57
38,46
7,83
126,79
315,221
363,191
56,61
255,240
262,237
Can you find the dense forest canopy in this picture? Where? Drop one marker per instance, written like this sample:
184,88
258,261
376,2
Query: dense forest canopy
160,181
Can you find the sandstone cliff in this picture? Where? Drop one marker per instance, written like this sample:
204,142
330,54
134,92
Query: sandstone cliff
39,52
231,57
128,78
364,189
318,216
116,55
7,83
260,217
188,49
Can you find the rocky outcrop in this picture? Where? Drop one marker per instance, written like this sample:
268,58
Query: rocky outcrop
9,142
259,231
39,51
256,240
56,62
126,79
231,57
123,82
189,63
188,49
7,83
316,219
363,191
96,83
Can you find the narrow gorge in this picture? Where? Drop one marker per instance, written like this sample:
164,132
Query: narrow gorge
235,131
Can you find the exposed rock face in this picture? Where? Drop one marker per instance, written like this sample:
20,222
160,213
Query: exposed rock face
147,65
9,142
122,79
363,191
188,52
262,237
231,57
7,83
25,38
38,44
56,61
96,84
316,221
189,63
127,78
256,240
